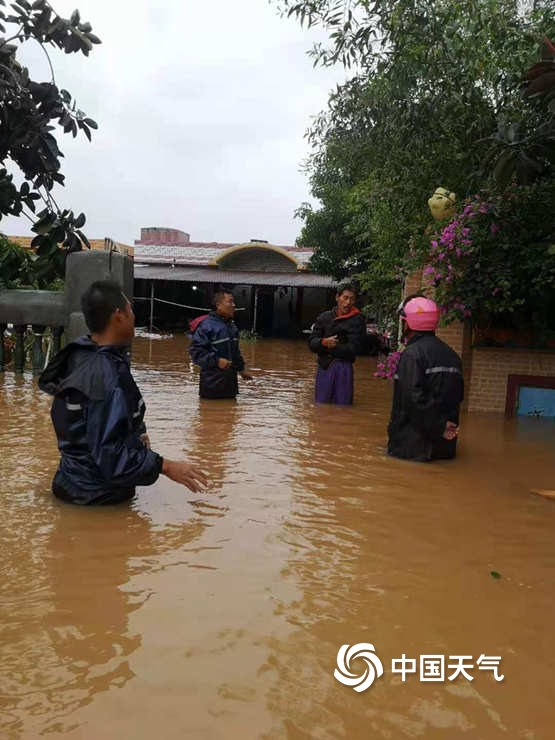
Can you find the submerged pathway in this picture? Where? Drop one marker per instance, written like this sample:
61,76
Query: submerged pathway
220,614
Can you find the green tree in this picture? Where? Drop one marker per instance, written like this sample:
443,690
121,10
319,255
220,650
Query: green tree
525,144
430,81
32,111
494,262
16,264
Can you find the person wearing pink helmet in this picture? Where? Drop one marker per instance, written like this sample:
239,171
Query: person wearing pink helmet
428,388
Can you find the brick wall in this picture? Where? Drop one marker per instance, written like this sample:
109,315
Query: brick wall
454,336
25,242
413,283
96,244
486,370
154,235
491,369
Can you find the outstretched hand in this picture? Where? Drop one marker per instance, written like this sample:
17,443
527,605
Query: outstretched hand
188,475
451,430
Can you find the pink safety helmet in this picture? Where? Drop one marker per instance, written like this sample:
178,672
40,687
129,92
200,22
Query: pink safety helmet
421,314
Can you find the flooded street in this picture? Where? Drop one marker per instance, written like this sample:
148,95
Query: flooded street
220,615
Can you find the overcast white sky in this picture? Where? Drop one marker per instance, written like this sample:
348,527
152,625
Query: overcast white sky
202,109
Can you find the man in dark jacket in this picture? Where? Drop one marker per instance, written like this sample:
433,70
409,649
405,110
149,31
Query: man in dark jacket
337,337
428,389
98,411
215,349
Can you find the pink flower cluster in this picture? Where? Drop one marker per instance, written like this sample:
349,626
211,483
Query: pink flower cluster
454,244
387,368
450,251
400,273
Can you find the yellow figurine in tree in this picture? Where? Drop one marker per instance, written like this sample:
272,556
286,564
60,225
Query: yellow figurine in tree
442,204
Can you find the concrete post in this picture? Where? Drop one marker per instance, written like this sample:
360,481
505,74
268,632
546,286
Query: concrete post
83,269
19,352
2,348
38,349
255,311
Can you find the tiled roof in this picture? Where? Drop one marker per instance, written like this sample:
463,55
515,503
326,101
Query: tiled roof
237,277
202,253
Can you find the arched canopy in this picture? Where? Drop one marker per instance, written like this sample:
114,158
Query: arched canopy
258,256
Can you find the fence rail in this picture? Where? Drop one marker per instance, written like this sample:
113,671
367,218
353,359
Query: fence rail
38,319
29,346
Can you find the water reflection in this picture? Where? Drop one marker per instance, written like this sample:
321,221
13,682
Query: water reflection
212,435
71,640
87,624
396,554
220,614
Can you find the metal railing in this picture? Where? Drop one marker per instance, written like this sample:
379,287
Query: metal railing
28,346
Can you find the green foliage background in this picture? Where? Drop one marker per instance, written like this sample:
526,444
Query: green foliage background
33,112
433,100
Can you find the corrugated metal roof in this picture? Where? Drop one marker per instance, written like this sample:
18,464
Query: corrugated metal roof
237,277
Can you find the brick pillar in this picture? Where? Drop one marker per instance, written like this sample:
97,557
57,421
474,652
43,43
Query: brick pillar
457,335
413,283
453,335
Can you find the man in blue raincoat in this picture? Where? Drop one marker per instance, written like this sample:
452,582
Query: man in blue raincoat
98,410
215,349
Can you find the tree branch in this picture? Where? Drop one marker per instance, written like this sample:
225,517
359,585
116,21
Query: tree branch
49,61
12,38
31,219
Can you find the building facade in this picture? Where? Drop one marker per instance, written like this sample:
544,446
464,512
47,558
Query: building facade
274,289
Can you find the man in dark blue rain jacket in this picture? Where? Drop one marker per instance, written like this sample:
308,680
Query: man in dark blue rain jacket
215,349
98,411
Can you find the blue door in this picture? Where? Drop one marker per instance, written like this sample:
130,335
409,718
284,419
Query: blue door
536,402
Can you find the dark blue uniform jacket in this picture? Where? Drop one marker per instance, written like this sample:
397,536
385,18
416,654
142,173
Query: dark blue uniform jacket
213,339
98,414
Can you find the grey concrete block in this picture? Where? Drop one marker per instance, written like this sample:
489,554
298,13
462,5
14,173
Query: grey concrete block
43,307
76,327
86,267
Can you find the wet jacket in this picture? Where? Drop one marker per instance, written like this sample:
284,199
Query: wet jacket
427,394
216,338
351,335
98,414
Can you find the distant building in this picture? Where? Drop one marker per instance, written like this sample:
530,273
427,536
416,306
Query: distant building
273,285
100,245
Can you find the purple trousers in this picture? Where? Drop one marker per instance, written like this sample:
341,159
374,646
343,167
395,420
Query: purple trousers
335,385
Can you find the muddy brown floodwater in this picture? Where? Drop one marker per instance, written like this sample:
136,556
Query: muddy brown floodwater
220,614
